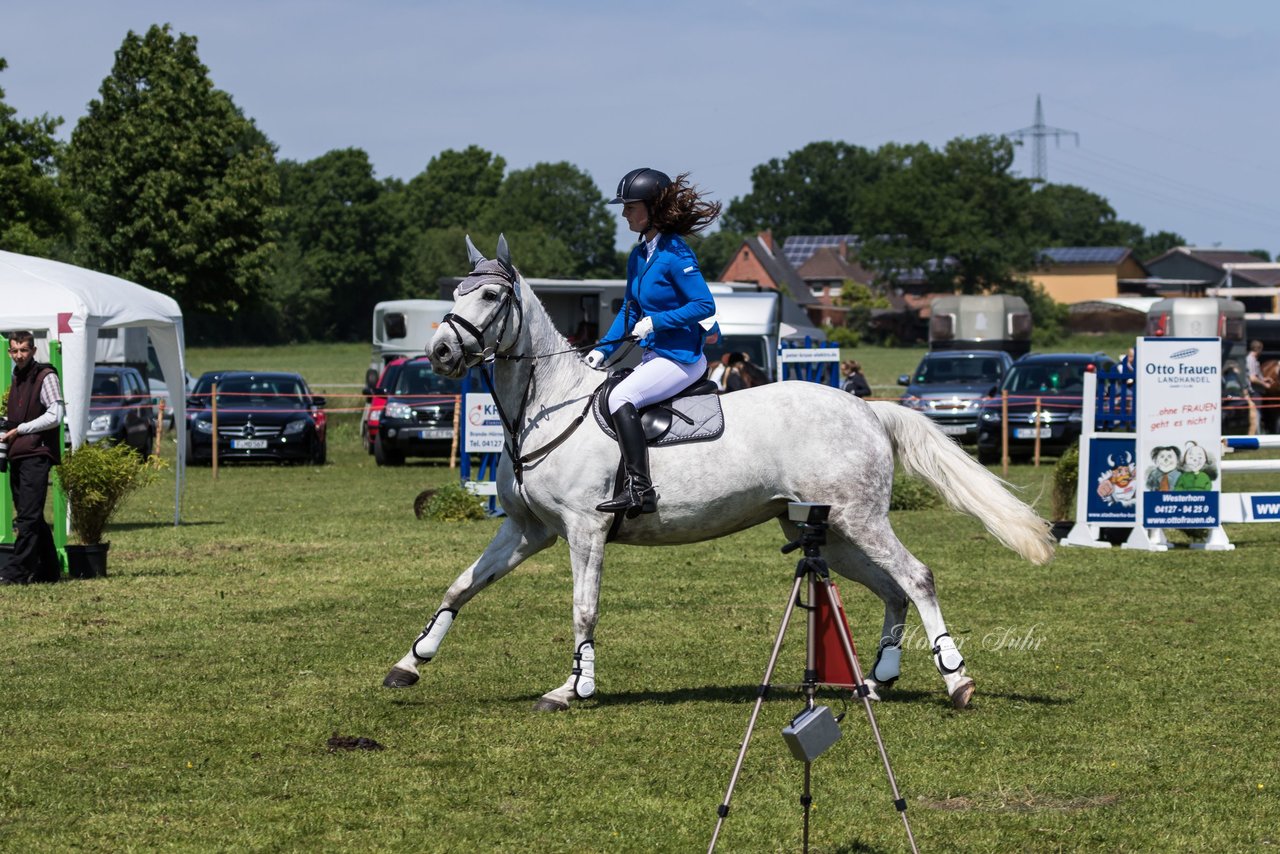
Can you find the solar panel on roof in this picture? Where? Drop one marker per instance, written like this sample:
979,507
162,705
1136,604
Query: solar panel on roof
799,248
1086,254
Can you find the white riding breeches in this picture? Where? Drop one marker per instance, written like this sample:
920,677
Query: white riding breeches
657,378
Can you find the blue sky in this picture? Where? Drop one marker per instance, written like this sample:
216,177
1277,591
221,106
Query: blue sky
1174,101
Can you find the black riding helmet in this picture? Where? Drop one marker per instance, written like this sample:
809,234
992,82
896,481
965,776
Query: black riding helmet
641,185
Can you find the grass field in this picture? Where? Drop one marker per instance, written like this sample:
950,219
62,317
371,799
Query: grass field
186,702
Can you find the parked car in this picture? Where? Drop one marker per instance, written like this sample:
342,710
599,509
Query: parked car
160,392
121,409
417,420
1056,380
950,386
261,416
375,399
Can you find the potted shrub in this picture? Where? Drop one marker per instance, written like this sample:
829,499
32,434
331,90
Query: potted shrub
96,480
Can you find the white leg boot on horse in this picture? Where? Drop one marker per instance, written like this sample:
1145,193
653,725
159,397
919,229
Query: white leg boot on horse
588,562
888,664
512,545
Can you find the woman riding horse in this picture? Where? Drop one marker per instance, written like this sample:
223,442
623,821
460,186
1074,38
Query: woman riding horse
665,299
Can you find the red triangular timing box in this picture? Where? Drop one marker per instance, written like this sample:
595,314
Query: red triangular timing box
829,658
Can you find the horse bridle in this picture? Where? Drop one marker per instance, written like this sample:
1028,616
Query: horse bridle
508,280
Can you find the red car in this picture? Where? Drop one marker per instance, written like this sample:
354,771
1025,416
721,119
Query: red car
376,401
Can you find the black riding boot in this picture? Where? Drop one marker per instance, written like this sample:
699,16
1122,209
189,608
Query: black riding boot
637,495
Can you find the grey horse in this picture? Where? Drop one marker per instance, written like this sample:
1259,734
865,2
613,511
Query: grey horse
782,442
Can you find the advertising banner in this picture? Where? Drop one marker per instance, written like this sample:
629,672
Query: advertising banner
1179,432
482,425
1113,473
804,355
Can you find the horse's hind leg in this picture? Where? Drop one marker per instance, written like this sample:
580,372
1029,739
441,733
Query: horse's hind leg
514,542
871,554
848,560
916,581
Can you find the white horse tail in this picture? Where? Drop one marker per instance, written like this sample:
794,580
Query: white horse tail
926,452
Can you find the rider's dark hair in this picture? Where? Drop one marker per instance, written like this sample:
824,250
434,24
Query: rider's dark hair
680,209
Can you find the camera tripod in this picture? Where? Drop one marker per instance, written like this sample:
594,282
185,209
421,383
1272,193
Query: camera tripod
812,570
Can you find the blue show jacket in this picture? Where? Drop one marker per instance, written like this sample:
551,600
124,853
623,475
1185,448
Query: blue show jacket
669,288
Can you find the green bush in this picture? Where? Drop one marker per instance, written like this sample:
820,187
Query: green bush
1065,475
96,480
449,503
911,493
842,335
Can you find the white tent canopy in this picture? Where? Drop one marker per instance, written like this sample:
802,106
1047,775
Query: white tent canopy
72,304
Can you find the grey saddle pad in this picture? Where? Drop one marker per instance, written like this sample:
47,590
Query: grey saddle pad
703,420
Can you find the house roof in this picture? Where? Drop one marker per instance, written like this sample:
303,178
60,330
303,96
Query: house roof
1218,259
798,248
828,263
1214,256
779,270
1085,254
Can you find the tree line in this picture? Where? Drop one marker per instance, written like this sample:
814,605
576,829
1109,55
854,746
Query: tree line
164,181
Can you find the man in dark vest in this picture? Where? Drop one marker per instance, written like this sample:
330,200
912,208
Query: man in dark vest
35,410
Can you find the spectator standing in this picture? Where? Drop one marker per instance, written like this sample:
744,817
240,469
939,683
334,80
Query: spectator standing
34,413
855,382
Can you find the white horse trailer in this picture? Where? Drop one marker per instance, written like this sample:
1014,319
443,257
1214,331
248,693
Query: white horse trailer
403,328
969,322
1201,317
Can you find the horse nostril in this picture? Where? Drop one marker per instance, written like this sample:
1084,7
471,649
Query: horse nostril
442,351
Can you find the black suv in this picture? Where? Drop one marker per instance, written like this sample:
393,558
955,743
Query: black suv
950,386
121,409
417,420
1056,380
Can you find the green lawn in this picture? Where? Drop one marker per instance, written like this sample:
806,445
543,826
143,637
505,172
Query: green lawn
186,702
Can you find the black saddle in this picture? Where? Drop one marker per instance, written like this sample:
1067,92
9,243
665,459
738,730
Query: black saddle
658,419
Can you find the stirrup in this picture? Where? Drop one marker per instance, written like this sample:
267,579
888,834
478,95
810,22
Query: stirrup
631,502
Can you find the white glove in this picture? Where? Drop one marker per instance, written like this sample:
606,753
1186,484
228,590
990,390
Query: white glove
643,327
595,359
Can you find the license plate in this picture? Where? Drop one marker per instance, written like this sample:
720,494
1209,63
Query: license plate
436,433
248,444
1030,432
954,429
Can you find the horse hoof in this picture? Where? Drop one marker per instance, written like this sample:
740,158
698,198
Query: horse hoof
961,696
546,704
399,678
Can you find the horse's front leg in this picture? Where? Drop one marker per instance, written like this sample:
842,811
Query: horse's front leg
514,542
586,553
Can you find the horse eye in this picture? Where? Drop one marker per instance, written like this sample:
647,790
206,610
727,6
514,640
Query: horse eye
489,296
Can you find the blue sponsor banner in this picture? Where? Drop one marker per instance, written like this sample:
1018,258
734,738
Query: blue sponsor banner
1179,509
1113,472
1265,508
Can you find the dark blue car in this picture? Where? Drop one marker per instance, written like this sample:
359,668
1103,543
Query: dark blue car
1044,389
